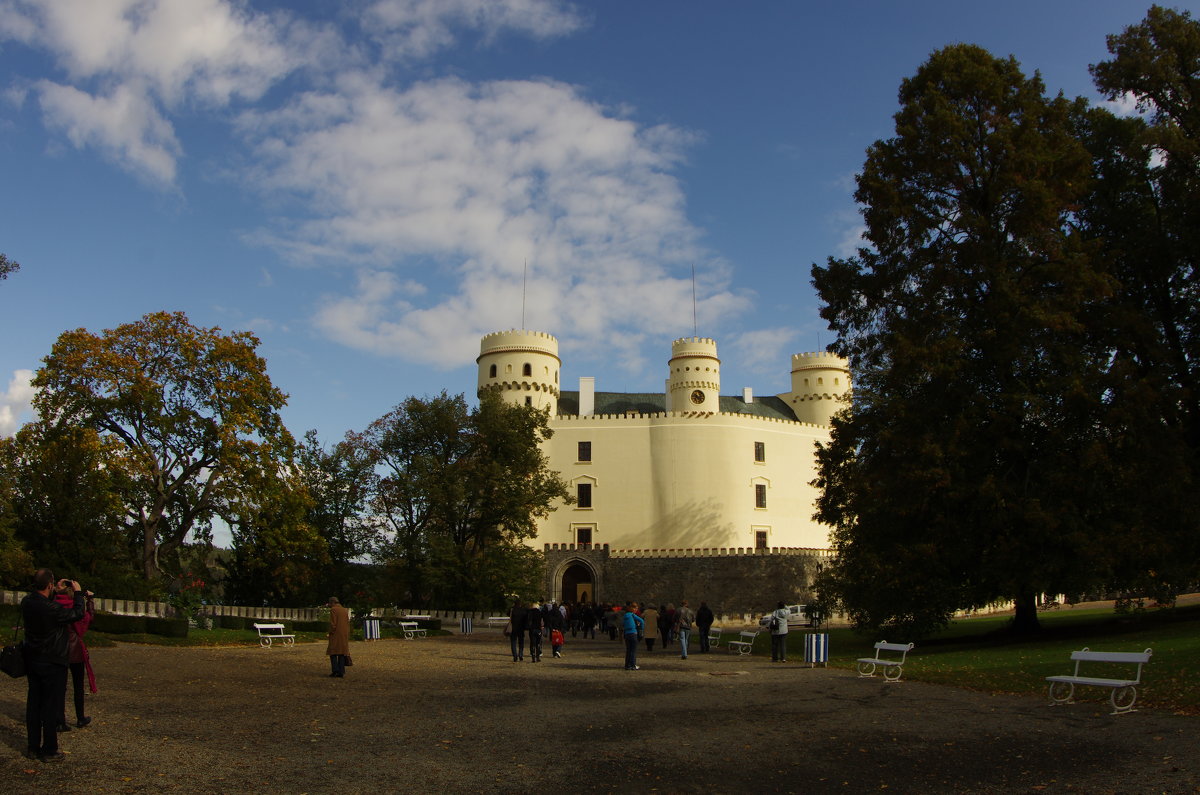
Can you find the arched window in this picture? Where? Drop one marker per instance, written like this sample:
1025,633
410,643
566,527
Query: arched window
492,371
528,369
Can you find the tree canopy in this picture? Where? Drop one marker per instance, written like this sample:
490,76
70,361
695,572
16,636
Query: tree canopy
192,412
458,492
7,266
1020,324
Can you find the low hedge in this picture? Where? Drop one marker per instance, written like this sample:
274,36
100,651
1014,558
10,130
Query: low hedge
310,626
167,627
119,625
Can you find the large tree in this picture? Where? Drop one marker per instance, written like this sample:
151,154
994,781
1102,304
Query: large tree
1143,212
459,492
194,414
960,474
340,480
63,487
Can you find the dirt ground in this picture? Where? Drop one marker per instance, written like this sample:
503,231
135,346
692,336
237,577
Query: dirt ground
455,714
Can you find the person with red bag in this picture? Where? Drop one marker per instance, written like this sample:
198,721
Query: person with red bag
557,623
78,660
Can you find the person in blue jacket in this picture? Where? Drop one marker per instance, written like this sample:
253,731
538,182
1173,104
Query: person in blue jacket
631,622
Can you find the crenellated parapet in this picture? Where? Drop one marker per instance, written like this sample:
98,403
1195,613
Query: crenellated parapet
699,552
820,386
521,366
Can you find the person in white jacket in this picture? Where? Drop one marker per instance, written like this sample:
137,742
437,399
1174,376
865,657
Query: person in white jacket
778,624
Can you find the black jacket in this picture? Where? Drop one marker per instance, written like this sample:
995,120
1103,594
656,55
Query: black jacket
48,627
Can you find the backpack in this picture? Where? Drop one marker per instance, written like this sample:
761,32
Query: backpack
774,624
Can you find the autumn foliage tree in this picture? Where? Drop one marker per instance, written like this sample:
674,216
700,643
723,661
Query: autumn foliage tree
193,415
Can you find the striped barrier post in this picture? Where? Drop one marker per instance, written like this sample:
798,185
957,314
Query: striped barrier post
816,649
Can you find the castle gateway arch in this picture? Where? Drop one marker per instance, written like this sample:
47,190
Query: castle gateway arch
574,580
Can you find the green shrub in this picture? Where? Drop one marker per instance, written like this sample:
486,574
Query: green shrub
119,625
311,626
167,627
10,616
231,622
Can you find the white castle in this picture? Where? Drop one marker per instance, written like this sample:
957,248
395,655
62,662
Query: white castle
684,469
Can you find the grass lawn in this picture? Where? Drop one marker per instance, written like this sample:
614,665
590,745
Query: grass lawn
978,653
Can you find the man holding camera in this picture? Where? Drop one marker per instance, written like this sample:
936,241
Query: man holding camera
47,628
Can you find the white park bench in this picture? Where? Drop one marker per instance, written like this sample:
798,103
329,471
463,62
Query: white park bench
1124,691
892,667
714,636
411,630
497,621
745,642
267,633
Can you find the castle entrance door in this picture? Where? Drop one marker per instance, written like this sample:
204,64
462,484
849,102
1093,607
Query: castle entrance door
577,584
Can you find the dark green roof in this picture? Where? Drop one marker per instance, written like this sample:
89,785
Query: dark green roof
655,403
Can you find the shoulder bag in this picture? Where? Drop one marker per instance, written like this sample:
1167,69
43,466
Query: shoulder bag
12,656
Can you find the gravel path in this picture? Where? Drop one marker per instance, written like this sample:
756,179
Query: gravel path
455,714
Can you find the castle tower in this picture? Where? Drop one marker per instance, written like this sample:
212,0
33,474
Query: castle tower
695,380
522,366
820,386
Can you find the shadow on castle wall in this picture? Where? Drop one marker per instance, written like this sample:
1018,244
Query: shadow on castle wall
695,525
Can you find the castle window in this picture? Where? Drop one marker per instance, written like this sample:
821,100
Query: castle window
528,400
760,539
492,371
583,495
806,382
760,452
820,382
760,495
508,369
583,535
527,369
585,451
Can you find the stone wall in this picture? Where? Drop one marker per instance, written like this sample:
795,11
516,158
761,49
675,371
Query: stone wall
734,582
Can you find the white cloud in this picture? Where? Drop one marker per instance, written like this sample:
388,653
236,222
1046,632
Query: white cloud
125,126
469,182
764,350
418,28
131,62
1124,105
15,402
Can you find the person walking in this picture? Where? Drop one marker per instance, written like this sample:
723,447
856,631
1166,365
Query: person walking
338,647
684,617
78,661
556,622
650,616
533,625
666,624
516,630
778,623
631,622
47,652
704,622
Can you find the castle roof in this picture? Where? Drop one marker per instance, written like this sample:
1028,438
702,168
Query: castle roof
656,403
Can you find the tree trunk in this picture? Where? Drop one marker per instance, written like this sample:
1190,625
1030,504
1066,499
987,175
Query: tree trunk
1026,622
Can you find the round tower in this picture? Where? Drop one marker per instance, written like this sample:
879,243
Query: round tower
820,386
695,380
522,366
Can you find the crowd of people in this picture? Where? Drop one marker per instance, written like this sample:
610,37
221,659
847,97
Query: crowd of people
632,623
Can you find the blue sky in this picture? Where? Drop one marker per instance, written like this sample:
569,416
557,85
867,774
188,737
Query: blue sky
361,182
